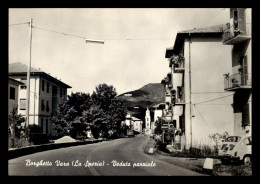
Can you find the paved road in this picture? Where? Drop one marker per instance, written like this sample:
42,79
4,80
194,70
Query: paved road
117,157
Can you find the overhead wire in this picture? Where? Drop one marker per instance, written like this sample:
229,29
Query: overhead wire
19,24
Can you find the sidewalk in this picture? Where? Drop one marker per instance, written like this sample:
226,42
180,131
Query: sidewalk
196,164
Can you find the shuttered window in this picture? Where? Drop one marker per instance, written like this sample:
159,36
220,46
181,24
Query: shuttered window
12,93
241,19
245,115
22,104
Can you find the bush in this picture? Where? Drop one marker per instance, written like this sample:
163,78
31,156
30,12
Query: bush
162,146
239,171
39,138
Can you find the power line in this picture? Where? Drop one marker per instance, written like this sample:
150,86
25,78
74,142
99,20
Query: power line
214,99
126,39
202,118
19,24
66,34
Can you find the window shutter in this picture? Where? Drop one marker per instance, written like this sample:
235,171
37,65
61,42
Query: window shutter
245,115
241,19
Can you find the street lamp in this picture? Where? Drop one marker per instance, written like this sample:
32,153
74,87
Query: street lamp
95,41
29,70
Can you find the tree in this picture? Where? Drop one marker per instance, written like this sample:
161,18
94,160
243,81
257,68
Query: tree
14,120
106,112
80,101
62,119
158,126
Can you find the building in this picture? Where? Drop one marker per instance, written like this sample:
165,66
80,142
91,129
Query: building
196,102
137,124
147,122
13,87
133,123
238,35
158,113
46,92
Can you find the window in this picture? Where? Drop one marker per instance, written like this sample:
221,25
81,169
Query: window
42,85
47,106
47,126
23,87
12,93
42,106
48,85
42,123
245,115
22,104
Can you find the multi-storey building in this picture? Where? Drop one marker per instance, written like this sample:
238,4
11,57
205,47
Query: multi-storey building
133,123
46,92
238,34
13,86
197,102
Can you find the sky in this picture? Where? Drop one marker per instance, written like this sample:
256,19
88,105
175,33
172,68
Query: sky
133,53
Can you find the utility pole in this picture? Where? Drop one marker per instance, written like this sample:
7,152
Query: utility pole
190,92
28,77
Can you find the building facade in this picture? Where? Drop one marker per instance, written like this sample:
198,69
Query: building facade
46,92
147,122
137,124
238,35
13,87
198,104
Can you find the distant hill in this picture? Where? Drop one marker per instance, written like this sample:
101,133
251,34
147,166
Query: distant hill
147,96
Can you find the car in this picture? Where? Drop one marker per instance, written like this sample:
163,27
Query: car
236,148
151,135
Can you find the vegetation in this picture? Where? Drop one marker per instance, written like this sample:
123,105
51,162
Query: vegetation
100,112
216,138
14,129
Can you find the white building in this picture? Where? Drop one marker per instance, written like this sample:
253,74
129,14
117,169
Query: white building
137,124
200,106
238,35
147,122
46,92
13,87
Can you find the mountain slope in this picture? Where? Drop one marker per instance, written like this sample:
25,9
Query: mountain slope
147,96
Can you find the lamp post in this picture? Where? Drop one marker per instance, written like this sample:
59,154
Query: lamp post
29,71
28,77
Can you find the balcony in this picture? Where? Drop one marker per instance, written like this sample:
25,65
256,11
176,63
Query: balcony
231,37
178,63
238,81
179,67
180,101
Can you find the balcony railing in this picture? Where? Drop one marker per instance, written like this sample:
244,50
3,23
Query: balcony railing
179,67
231,37
180,100
237,81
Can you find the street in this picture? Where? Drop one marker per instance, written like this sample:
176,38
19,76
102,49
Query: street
120,157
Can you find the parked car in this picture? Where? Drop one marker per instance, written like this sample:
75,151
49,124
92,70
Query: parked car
236,148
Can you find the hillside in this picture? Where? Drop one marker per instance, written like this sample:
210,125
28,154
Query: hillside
147,96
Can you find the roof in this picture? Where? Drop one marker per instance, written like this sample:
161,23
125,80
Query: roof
20,69
15,82
196,32
211,29
158,105
135,119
